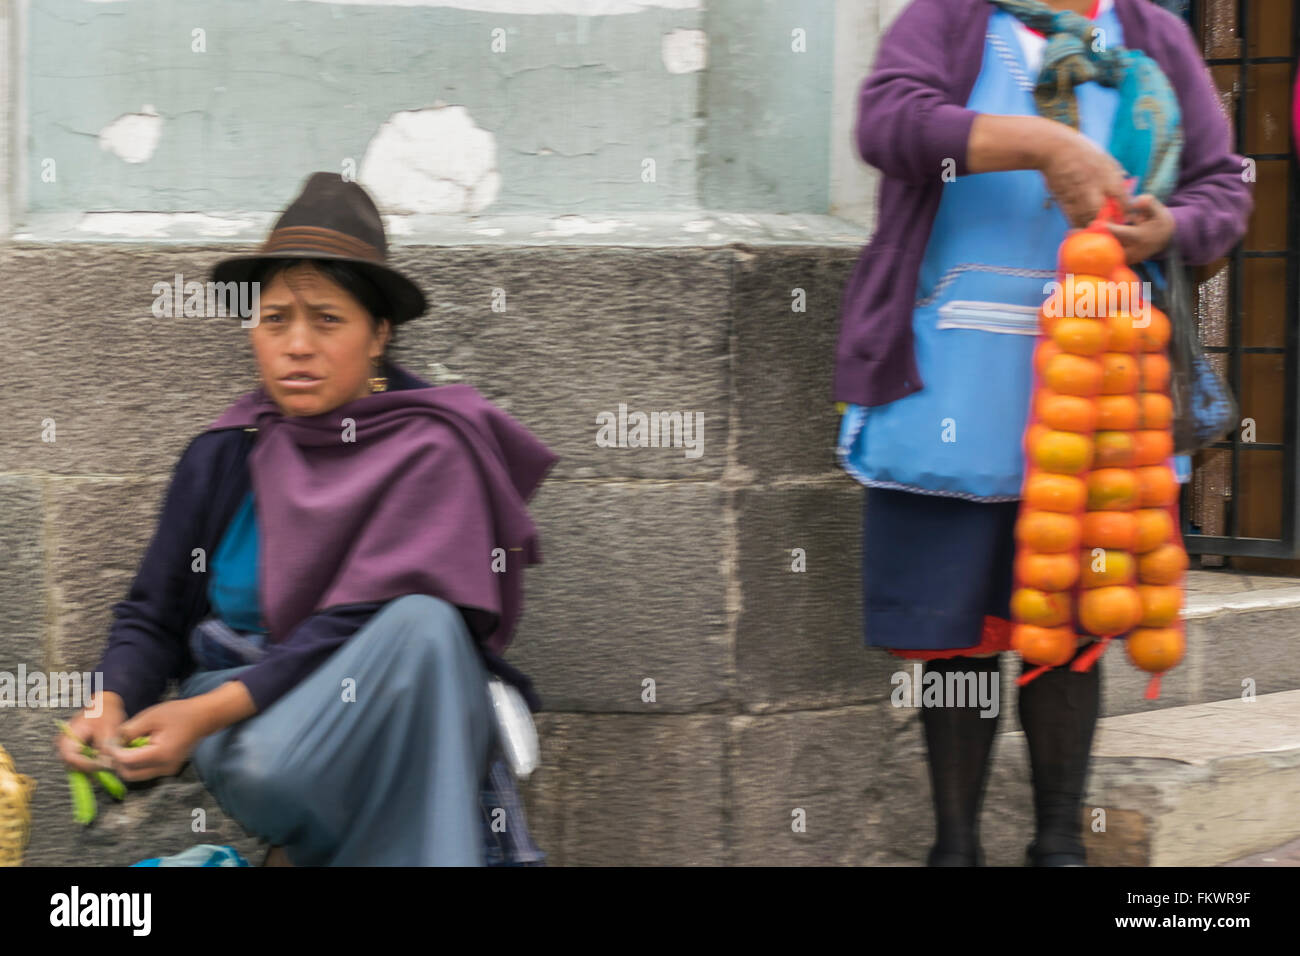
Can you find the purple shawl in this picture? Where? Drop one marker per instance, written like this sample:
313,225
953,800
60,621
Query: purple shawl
434,482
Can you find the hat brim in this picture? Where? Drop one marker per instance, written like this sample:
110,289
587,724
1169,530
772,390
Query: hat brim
405,299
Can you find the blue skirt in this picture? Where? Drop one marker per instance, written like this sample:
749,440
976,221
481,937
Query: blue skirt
376,758
933,567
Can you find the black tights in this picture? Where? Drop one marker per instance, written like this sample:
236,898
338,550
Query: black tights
1058,713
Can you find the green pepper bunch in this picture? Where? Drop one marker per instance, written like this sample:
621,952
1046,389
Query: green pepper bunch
83,796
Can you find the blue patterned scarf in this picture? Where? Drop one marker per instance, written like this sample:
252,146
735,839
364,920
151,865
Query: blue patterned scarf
1147,137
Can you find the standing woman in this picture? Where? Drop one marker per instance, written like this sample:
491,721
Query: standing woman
336,570
993,123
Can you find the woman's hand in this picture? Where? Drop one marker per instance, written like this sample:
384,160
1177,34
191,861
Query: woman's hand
1152,226
173,728
99,732
1080,175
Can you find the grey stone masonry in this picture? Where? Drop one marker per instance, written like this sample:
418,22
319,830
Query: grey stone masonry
695,628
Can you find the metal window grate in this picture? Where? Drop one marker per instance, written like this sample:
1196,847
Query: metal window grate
1233,542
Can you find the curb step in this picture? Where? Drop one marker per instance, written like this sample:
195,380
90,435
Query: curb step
1241,632
1198,785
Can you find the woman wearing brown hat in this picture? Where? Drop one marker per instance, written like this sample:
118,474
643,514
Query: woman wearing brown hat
335,572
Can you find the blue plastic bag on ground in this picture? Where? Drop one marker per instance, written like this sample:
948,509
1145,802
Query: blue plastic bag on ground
205,854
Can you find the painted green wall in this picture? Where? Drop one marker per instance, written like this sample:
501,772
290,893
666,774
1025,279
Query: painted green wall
573,107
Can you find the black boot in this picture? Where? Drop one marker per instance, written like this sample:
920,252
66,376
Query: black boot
959,741
1058,713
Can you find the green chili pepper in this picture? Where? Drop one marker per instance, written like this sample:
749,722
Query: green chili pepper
66,730
111,784
83,797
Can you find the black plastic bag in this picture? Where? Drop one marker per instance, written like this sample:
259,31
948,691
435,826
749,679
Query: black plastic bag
1204,407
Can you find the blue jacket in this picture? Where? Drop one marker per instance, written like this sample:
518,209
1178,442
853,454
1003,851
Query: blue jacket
148,640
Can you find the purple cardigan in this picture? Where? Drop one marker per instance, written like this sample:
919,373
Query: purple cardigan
911,117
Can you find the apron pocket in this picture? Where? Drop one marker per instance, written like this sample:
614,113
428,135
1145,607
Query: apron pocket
988,317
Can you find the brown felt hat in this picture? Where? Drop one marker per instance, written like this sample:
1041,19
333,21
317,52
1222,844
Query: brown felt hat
333,218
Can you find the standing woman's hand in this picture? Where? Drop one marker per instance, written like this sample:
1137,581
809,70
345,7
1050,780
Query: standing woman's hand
1080,175
1151,226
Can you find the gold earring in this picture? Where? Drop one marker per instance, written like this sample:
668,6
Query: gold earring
378,383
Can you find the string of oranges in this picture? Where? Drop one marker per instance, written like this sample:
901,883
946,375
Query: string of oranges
1098,547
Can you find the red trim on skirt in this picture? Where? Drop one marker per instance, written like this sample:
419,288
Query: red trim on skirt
995,636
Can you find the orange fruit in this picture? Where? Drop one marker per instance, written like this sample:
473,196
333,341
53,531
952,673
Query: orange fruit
1152,447
1070,413
1043,353
1157,411
1047,572
1155,649
1047,531
1156,333
1163,564
1088,296
1108,529
1049,312
1101,570
1079,336
1091,251
1073,374
1052,646
1043,608
1034,434
1129,282
1109,610
1157,486
1054,307
1122,336
1061,452
1117,412
1160,604
1112,489
1154,528
1048,492
1119,372
1112,449
1155,372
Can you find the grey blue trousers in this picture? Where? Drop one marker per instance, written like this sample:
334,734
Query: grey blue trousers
390,778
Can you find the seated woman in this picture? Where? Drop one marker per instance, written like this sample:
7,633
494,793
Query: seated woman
336,569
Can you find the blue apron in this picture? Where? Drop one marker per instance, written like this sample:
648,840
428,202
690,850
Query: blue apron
991,252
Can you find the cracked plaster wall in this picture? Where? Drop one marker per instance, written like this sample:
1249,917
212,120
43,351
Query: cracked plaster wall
460,106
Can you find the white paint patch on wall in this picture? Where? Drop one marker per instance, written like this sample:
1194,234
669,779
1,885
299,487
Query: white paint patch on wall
431,161
571,224
685,51
133,136
579,8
